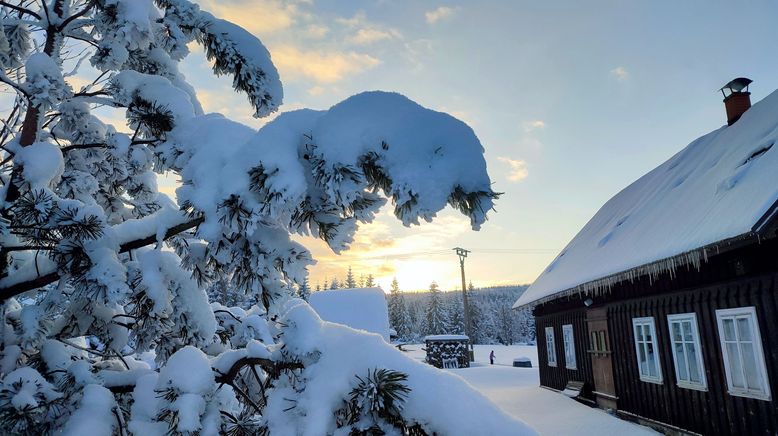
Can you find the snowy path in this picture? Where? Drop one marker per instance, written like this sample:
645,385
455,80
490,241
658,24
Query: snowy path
516,391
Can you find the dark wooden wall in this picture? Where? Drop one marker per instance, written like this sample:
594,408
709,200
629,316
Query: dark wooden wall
739,278
557,377
714,412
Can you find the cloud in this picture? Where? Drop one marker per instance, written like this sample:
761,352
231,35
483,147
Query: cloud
321,67
359,19
369,35
317,31
259,17
620,73
438,14
316,90
533,125
518,169
366,31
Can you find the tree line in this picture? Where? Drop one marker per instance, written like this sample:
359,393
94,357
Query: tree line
418,314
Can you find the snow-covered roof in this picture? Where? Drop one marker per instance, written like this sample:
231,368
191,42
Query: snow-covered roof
446,338
358,308
721,186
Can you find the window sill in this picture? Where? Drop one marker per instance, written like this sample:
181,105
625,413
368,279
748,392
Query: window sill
656,381
746,394
553,365
693,387
571,367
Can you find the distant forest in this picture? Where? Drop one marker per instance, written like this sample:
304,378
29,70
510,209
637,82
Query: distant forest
414,315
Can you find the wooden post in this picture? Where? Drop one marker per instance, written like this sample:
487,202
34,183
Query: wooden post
462,253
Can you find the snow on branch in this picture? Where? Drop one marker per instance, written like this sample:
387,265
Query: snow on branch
233,50
134,234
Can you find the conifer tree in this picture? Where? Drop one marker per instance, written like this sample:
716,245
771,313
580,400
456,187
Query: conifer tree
435,315
398,312
350,283
370,281
455,321
100,270
304,290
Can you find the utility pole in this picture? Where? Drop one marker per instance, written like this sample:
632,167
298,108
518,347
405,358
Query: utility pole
462,253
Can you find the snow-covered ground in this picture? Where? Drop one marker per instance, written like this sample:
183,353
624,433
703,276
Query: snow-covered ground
517,392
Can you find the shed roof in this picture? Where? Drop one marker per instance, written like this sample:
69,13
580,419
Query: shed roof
358,308
723,185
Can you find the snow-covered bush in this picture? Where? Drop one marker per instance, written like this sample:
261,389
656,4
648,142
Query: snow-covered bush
105,321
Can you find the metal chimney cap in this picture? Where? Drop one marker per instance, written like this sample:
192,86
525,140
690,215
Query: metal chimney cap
737,84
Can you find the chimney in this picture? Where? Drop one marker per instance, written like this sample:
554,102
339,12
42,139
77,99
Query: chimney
737,99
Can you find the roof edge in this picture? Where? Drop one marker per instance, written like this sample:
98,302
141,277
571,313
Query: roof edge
652,269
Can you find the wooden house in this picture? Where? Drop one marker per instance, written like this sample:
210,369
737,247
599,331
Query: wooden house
663,307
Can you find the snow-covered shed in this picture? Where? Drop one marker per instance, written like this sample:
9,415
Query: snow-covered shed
447,351
657,303
358,308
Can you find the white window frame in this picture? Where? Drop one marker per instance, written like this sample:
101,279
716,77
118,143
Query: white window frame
763,393
647,321
692,319
550,346
568,339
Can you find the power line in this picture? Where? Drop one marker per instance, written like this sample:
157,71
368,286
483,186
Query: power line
415,254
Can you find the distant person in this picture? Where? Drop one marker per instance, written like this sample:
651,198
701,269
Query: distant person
491,358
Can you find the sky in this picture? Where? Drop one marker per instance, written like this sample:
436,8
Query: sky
572,101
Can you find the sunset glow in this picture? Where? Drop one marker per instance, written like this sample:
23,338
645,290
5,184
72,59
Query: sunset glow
545,147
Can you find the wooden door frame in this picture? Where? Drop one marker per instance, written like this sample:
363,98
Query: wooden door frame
604,389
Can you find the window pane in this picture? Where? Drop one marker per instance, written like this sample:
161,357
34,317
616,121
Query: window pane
647,333
729,329
642,360
687,331
639,333
733,354
753,378
695,372
652,370
680,361
676,331
744,329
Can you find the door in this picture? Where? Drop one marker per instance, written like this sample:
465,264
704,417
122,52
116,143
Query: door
601,355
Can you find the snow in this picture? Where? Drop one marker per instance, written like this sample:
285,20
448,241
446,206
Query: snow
517,392
188,370
446,338
425,153
256,55
42,162
27,387
442,402
94,415
44,82
716,188
128,85
360,308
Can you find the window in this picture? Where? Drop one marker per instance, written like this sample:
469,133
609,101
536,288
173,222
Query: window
687,354
598,341
550,349
645,345
567,337
741,346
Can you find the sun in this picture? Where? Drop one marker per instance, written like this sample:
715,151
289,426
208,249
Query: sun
417,274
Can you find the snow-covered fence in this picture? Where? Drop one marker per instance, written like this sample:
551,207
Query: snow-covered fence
448,351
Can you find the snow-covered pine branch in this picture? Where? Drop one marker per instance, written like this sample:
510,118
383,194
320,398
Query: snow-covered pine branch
106,323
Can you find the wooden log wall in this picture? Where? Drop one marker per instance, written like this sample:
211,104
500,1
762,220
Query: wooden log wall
557,377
